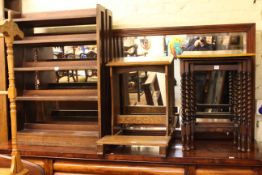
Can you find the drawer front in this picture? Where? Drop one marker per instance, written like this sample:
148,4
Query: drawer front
61,167
225,171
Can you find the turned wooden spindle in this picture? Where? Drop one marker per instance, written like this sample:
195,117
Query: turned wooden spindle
186,124
239,108
244,112
249,110
183,109
231,94
188,127
192,109
10,30
36,57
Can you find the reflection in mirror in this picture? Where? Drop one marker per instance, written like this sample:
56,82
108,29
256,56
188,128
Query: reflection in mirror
144,88
220,43
73,53
213,91
142,93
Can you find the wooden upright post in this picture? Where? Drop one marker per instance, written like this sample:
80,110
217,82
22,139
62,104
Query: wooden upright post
10,30
3,100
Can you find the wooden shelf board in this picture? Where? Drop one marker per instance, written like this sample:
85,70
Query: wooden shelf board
214,115
142,119
46,137
57,39
212,105
140,61
56,98
69,126
58,18
5,171
215,56
135,140
58,65
59,95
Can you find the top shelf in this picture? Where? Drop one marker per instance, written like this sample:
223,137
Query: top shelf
59,18
140,61
215,56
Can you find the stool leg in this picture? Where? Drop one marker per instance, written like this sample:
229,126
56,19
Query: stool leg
100,149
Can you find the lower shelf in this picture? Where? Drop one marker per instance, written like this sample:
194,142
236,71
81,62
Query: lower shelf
158,141
54,134
135,140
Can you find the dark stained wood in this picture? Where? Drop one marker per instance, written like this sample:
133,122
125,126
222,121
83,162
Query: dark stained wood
219,155
72,126
58,18
190,170
15,5
241,100
211,67
201,29
215,56
213,105
215,115
104,40
56,39
59,95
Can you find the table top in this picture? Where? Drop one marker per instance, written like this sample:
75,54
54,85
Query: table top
141,61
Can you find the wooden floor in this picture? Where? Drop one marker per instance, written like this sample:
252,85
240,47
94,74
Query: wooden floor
208,151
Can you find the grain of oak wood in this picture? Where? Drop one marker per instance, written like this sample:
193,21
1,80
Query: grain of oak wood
135,140
140,61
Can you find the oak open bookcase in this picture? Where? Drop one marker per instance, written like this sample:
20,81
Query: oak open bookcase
60,95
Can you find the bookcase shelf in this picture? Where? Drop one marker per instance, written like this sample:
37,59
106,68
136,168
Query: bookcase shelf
58,65
58,39
59,95
62,18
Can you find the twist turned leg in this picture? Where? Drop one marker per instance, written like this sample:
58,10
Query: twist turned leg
183,110
244,112
231,93
249,110
238,109
192,110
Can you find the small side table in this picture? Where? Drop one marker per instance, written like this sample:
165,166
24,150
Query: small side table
143,116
